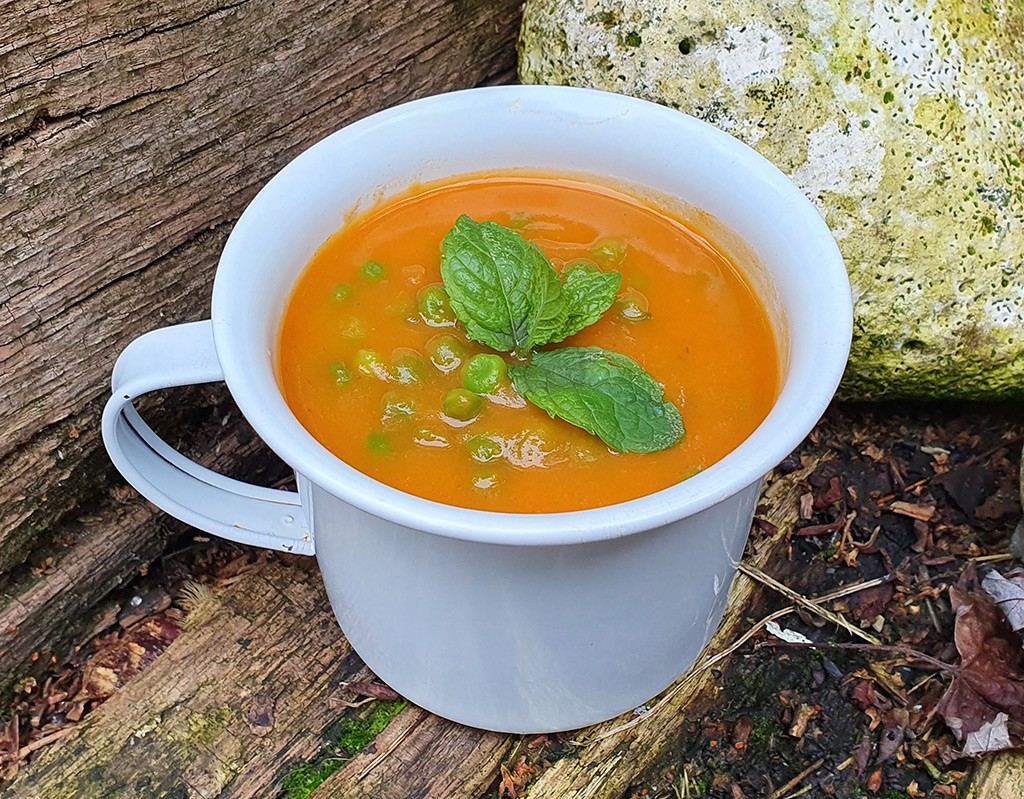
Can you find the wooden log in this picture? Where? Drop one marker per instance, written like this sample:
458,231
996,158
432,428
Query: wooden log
180,725
425,756
236,701
41,614
131,137
998,777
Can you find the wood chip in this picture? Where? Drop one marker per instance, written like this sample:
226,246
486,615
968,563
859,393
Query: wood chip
913,510
806,505
803,716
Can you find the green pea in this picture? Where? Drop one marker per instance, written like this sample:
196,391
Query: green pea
446,352
408,366
580,263
378,443
436,307
609,252
342,291
632,305
373,270
405,307
483,373
340,373
461,405
353,330
426,437
395,407
483,449
370,364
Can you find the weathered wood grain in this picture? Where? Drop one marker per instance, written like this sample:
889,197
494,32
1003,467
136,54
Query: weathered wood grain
203,112
183,727
423,756
131,137
106,544
273,634
64,462
998,777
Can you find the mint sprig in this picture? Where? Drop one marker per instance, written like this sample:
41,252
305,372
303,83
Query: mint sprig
502,287
605,393
510,298
588,294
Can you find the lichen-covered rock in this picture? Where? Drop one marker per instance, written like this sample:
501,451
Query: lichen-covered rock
901,120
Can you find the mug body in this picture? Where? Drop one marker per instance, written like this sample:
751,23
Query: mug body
528,639
533,622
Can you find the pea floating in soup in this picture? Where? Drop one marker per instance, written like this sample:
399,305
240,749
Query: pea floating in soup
376,364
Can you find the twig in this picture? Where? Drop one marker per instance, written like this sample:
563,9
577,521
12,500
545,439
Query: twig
756,574
992,558
820,529
798,779
853,588
801,792
887,648
46,740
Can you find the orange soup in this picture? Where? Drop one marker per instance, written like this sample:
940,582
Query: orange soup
370,351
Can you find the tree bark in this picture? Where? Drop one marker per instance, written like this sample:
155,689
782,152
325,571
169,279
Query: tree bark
132,135
186,727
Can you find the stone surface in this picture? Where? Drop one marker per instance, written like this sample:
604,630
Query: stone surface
902,121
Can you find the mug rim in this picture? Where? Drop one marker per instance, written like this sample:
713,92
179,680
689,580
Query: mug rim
788,422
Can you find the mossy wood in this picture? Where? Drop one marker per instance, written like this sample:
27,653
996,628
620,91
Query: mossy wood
188,726
999,777
131,137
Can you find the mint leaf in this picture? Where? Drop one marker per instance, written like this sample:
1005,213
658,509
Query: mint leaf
603,392
502,287
588,294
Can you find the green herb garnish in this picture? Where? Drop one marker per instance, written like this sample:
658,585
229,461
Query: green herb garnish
603,392
502,287
510,298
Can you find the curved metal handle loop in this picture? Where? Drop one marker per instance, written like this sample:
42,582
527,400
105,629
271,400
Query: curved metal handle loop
184,355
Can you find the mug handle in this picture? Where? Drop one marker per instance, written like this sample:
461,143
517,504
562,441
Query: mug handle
184,355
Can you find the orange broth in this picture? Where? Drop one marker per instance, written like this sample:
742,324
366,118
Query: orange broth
706,339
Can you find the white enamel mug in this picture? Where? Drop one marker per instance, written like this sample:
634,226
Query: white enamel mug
510,622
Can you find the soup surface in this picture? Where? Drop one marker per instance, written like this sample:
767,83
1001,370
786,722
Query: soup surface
369,350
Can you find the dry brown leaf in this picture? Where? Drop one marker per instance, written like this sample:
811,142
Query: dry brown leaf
513,781
120,659
1008,594
984,705
921,512
377,690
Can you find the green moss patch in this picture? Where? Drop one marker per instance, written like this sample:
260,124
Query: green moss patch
353,736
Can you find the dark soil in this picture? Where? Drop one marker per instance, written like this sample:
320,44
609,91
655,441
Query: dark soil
794,721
